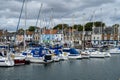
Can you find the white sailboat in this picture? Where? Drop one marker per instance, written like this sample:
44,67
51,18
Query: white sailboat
39,55
74,54
19,59
6,59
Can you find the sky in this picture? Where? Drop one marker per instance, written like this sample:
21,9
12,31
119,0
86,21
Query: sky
53,12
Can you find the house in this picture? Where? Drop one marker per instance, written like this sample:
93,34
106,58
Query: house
29,36
110,35
96,37
51,36
1,35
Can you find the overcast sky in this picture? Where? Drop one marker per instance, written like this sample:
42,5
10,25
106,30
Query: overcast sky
57,11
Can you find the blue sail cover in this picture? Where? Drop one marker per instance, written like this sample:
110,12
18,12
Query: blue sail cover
56,47
24,53
56,52
37,52
73,51
66,50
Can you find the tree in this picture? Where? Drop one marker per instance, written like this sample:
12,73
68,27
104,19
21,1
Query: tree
75,26
21,31
32,28
115,25
61,26
88,26
99,24
78,27
116,28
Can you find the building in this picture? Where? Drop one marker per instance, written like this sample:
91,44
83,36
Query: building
51,36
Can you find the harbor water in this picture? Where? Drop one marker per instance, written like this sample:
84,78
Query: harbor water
85,69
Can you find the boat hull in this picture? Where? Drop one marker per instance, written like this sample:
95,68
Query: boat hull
74,57
6,63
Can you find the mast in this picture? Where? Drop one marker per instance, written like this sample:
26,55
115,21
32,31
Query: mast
83,35
25,23
39,13
115,25
62,33
72,31
93,27
19,20
51,22
37,20
101,24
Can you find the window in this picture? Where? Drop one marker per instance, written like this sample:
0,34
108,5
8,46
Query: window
111,38
94,38
105,38
97,38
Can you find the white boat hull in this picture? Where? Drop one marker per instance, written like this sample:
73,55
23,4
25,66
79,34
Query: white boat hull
56,58
114,51
5,62
97,54
64,56
38,60
74,56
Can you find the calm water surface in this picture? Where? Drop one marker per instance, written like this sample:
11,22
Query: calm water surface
85,69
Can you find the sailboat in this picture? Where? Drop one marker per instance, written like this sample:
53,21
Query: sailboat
19,59
74,54
6,59
38,55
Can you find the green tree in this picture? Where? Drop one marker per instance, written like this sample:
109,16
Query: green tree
75,26
78,27
88,26
99,24
61,26
115,25
31,28
116,28
21,31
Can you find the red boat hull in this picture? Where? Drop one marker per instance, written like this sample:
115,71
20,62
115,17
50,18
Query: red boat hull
19,62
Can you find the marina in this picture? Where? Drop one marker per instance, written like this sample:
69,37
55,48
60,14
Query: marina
63,40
